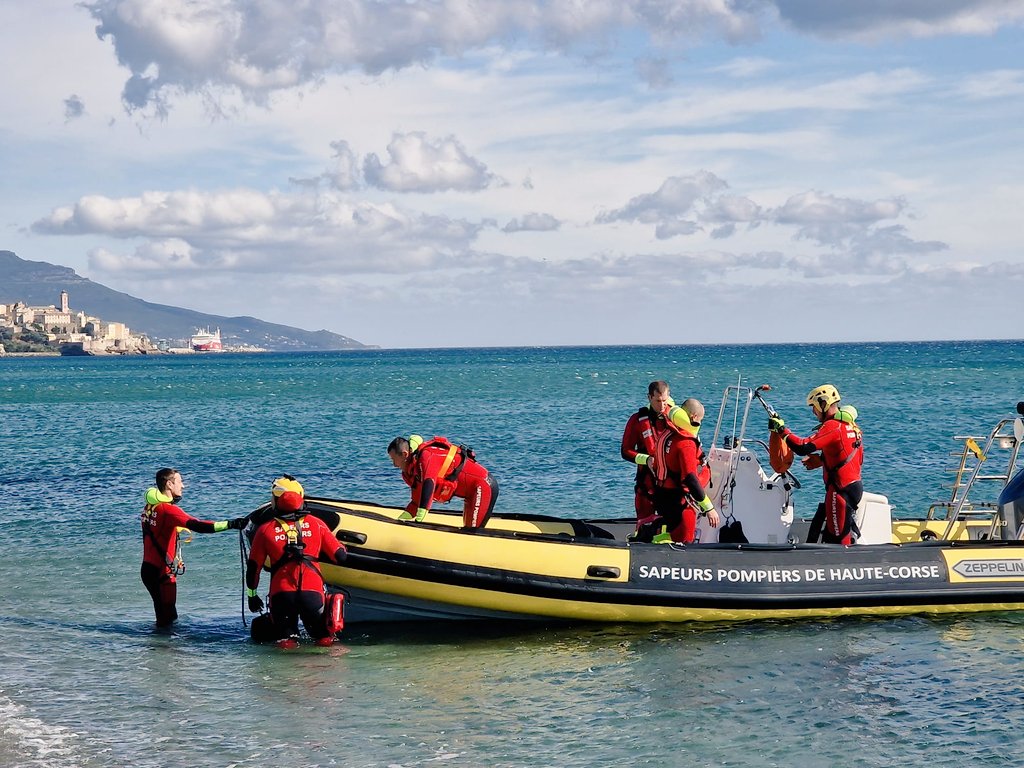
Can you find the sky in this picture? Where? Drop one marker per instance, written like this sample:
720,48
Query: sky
449,173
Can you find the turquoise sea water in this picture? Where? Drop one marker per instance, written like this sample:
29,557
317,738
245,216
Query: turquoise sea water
85,681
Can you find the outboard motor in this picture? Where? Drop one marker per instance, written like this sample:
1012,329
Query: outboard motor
1011,500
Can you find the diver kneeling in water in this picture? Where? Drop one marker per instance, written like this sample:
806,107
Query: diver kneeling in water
290,545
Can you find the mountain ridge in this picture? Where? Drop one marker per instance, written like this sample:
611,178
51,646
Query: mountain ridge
39,283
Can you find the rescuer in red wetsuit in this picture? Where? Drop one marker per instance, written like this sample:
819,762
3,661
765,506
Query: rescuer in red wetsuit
838,448
680,477
638,445
290,545
161,561
436,470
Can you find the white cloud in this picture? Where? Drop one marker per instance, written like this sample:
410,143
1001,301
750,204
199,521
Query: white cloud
247,231
998,84
418,164
671,205
533,222
648,153
194,45
345,174
164,256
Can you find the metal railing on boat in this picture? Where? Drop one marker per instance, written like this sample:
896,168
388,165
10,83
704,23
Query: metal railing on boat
976,450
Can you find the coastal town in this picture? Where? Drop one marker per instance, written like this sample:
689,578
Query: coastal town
60,330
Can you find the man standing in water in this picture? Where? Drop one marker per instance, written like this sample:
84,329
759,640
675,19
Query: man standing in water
638,446
838,448
161,560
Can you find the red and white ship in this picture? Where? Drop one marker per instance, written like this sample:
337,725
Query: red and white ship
205,340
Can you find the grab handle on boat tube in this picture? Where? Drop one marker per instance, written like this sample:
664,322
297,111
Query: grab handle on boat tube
603,571
350,537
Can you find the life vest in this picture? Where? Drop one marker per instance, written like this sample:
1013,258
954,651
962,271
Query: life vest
446,477
647,431
662,475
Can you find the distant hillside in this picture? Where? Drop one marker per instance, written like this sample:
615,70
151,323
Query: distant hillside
38,283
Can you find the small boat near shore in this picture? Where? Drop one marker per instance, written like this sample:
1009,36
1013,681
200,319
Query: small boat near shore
960,557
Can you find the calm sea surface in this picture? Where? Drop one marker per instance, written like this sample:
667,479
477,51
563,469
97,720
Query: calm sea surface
85,681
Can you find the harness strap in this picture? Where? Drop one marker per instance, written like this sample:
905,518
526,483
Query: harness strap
293,530
646,430
445,471
833,472
448,461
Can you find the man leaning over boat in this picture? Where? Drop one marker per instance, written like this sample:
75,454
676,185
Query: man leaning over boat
838,448
437,470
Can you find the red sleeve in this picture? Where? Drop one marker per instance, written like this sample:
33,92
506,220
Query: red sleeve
631,439
169,517
827,434
689,461
329,545
427,464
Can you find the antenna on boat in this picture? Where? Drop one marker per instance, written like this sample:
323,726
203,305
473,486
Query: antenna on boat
757,394
736,410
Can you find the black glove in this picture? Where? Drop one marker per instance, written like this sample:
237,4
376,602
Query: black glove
776,424
238,523
256,604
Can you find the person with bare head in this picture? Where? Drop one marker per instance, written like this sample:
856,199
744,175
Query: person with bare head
638,447
161,559
437,470
681,477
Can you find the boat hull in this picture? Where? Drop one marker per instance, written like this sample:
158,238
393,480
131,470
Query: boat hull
539,568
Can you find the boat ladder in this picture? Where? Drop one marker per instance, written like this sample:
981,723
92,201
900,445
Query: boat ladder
974,467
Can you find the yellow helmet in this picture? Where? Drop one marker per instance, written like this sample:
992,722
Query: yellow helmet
822,397
285,484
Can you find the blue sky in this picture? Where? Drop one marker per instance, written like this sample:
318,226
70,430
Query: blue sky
518,172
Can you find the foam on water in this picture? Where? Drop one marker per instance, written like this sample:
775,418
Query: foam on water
28,742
